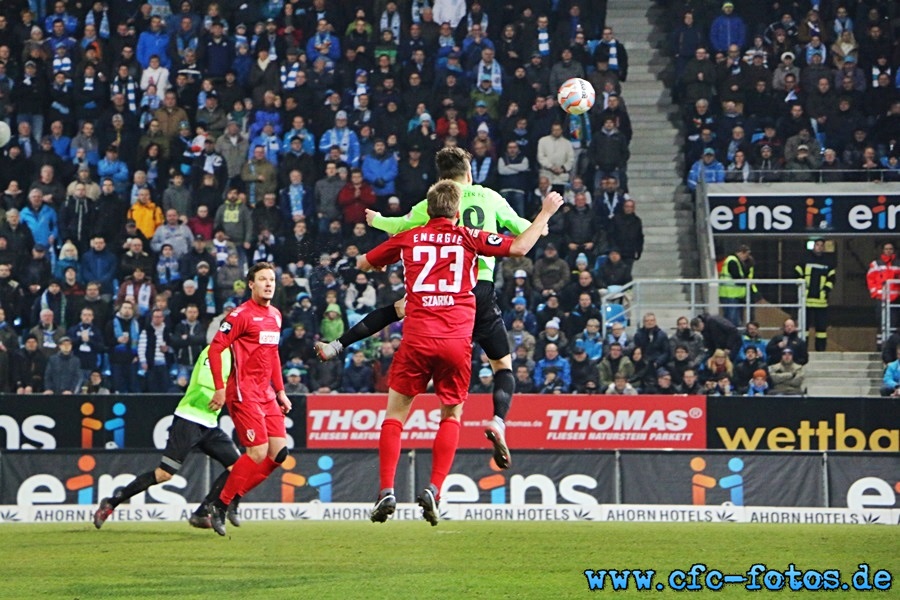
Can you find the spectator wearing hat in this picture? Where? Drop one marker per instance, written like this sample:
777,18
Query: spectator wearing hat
585,377
708,169
849,69
551,335
786,67
663,385
112,166
484,92
63,374
517,334
28,367
758,385
212,116
518,286
483,383
787,376
519,310
29,95
800,168
766,167
727,29
342,137
294,384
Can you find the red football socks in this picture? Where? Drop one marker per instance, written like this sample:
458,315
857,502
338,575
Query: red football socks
389,451
237,479
444,451
263,470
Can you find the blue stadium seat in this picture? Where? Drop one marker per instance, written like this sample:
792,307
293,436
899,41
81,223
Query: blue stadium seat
614,313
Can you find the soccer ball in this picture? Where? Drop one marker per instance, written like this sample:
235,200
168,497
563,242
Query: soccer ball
576,96
5,133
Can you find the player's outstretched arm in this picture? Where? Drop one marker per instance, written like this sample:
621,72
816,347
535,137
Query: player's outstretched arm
526,240
417,216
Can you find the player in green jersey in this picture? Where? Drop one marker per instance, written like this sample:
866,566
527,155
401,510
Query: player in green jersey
480,208
195,426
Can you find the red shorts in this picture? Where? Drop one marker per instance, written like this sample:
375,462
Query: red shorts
447,361
256,422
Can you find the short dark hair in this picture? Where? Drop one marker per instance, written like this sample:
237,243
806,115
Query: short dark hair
260,266
452,163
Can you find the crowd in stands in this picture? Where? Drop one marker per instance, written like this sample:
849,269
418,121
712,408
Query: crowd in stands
788,91
160,148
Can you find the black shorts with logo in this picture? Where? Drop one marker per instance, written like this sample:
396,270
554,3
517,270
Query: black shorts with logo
186,435
489,331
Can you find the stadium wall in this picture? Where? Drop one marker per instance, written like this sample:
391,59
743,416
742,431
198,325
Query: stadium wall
536,422
804,487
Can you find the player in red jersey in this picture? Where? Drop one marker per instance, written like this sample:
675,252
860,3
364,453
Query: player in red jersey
441,269
252,332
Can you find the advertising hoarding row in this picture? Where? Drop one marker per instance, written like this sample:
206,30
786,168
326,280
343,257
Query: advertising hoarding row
536,422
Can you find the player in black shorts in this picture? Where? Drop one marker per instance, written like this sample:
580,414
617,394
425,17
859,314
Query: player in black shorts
195,425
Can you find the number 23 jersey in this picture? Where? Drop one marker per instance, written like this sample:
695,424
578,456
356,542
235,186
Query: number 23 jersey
479,208
439,262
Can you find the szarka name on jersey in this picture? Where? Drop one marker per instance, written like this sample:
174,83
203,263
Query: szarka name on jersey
438,301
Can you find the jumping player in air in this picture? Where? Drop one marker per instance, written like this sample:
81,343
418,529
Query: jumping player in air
480,208
251,332
195,425
441,261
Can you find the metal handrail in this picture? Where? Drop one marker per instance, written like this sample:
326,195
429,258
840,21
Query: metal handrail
702,297
887,306
785,174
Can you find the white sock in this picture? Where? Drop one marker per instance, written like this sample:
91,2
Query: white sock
500,423
336,345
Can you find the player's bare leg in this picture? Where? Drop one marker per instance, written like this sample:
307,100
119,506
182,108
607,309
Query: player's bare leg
371,324
389,453
504,385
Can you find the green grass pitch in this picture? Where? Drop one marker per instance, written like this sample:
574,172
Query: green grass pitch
399,560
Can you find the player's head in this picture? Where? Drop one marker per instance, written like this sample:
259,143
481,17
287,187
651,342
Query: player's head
454,163
261,281
443,199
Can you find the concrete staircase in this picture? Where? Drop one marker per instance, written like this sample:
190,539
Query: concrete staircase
843,374
670,249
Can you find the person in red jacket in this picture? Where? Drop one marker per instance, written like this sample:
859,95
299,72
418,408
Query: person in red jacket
354,198
883,269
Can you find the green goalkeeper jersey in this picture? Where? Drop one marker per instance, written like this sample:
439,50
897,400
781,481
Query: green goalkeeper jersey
480,208
194,405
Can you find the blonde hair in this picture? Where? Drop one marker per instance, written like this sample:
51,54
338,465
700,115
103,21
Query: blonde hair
443,199
68,248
